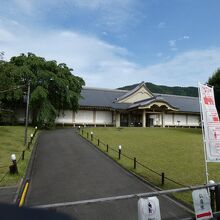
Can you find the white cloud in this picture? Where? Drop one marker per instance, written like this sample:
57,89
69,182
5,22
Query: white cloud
113,15
173,43
186,68
104,65
91,58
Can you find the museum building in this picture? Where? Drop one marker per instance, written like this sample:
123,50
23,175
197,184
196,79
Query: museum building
137,107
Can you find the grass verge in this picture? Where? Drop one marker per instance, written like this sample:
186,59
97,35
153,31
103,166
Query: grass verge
178,152
12,141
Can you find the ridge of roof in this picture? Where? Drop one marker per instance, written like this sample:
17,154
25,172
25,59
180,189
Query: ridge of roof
126,91
183,96
104,89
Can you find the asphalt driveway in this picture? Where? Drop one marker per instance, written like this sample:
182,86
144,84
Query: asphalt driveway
8,194
67,168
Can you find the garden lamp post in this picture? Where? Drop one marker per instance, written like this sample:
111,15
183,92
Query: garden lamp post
13,168
27,116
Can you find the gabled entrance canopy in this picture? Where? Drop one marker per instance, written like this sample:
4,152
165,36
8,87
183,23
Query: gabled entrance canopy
154,103
142,98
141,92
144,108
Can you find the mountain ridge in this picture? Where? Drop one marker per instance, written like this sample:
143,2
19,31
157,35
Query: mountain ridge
171,90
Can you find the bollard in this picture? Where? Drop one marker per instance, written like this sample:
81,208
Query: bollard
107,148
212,195
134,162
98,142
82,132
79,128
87,135
32,136
13,168
29,143
35,131
217,199
91,136
119,152
162,178
212,198
23,152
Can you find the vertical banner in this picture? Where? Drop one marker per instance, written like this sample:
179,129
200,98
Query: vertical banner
211,124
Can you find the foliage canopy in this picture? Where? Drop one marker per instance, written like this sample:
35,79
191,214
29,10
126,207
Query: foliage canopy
214,80
53,87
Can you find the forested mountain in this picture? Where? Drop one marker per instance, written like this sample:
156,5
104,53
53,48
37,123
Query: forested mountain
175,90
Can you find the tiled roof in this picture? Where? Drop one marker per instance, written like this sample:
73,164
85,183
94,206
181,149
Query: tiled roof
105,98
184,103
95,97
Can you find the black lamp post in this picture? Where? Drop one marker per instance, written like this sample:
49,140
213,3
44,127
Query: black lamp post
27,116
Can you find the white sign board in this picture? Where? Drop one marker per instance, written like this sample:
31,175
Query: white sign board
201,203
149,209
142,209
211,123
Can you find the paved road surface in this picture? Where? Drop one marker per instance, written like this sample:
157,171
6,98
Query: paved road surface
67,168
7,194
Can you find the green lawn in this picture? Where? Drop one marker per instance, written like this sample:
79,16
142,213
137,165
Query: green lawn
178,152
12,141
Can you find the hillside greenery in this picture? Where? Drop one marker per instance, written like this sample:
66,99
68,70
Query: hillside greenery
175,90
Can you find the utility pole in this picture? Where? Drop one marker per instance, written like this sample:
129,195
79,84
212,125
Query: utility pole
27,116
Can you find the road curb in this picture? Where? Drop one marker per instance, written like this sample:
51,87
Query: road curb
28,172
23,195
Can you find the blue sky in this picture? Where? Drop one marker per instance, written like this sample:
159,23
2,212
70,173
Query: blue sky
111,43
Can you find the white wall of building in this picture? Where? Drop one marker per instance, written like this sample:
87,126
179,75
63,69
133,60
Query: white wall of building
84,116
66,118
184,120
158,120
106,117
180,120
193,120
103,117
168,119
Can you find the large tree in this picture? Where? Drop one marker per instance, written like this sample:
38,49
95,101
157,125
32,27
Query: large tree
53,86
214,80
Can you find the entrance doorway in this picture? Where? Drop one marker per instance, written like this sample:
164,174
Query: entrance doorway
124,120
136,120
149,121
